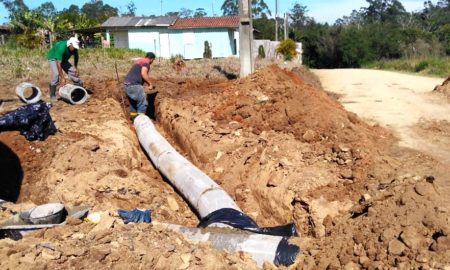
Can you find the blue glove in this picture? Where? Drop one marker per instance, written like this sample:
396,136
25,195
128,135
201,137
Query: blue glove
135,216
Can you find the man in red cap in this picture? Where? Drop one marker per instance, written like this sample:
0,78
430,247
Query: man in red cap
58,59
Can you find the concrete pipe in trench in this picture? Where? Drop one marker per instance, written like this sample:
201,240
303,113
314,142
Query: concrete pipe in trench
73,94
197,187
209,198
27,96
274,249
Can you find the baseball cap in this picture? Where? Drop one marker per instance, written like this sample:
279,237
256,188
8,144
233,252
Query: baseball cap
74,41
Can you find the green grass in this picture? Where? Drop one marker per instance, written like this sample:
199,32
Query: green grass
114,53
433,66
19,65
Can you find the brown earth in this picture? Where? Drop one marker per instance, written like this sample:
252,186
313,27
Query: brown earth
284,149
444,88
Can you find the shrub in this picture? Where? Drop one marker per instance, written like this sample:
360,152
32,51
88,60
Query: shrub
261,52
422,65
436,66
29,39
207,53
175,58
18,71
287,48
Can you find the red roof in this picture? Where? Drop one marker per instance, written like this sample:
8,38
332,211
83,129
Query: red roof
206,22
5,27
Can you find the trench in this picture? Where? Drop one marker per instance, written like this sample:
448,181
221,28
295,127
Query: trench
211,202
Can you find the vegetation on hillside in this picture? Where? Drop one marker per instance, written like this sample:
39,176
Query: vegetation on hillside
436,66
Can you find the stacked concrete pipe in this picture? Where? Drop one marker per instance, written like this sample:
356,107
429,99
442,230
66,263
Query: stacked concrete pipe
208,198
21,91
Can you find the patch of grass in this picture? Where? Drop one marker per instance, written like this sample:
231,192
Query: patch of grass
113,53
433,66
18,65
422,65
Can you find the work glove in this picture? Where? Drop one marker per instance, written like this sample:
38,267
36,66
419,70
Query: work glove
135,215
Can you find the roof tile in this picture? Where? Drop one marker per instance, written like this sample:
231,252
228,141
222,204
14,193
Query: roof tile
206,22
138,21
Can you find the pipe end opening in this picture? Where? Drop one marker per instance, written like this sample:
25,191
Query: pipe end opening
78,95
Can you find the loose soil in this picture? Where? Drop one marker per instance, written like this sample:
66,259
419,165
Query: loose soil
282,147
444,88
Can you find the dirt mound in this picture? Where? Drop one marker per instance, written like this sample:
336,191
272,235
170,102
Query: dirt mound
286,151
275,99
271,139
307,76
444,88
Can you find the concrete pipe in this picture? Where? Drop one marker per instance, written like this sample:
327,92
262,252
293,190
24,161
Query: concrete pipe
199,189
28,92
274,249
73,94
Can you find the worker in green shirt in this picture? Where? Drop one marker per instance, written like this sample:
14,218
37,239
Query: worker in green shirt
58,59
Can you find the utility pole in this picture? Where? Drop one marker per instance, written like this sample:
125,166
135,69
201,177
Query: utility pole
286,26
245,37
276,20
161,7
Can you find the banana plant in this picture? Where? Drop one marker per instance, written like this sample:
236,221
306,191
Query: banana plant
83,21
26,25
49,24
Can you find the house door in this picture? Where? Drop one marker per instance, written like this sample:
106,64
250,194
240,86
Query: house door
164,45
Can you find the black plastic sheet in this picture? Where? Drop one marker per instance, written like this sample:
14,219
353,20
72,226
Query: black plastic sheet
241,221
286,253
33,121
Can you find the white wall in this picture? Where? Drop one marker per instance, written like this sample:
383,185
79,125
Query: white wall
270,47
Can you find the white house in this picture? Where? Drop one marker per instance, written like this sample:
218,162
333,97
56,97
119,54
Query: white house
168,36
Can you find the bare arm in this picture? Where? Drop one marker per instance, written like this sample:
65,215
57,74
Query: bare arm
144,74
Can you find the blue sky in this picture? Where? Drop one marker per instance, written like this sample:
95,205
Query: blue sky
321,10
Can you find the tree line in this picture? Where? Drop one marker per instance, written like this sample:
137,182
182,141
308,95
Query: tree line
383,30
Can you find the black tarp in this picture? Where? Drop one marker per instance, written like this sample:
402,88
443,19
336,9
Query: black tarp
241,221
33,121
285,254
